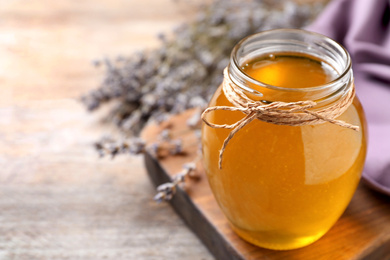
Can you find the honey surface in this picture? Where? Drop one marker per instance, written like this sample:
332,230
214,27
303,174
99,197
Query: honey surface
290,71
283,187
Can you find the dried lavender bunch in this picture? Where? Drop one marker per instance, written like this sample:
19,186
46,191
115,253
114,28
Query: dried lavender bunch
186,69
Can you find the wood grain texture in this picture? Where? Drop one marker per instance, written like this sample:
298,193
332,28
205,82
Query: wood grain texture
363,231
58,200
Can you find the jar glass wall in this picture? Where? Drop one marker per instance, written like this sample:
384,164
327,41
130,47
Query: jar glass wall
281,186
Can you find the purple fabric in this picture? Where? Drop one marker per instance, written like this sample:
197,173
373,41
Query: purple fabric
363,27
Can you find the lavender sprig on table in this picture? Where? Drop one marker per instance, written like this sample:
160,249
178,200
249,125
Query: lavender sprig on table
134,146
167,190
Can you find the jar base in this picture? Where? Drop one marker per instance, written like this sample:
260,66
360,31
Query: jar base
274,241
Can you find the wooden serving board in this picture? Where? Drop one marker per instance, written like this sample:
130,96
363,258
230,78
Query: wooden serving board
363,231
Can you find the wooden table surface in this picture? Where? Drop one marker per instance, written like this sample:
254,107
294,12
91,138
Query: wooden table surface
57,199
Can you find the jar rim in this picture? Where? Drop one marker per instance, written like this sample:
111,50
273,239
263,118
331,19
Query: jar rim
235,65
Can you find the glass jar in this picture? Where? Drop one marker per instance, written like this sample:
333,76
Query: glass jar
281,186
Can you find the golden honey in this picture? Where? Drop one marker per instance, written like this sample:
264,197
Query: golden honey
283,187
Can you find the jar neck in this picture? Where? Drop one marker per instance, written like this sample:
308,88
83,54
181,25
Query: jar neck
291,41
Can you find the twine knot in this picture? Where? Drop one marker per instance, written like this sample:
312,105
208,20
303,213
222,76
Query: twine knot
280,113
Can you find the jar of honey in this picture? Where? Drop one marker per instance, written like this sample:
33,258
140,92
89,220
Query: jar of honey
284,172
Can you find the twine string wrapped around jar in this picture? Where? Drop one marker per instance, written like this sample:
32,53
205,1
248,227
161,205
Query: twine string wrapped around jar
279,113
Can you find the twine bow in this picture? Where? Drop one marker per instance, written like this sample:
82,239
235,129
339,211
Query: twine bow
279,113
